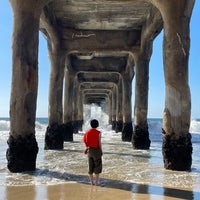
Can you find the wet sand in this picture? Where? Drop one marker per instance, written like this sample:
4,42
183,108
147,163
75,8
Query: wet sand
117,190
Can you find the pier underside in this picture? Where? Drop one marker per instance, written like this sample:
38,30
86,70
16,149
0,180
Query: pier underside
96,49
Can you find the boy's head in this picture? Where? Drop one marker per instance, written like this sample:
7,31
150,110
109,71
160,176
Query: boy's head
94,123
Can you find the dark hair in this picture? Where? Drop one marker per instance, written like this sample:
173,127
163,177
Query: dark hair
94,123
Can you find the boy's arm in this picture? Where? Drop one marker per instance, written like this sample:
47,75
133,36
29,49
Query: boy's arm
84,139
100,145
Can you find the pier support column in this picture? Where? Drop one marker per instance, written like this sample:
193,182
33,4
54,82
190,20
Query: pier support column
119,116
110,108
76,95
68,108
80,110
177,146
127,130
114,97
54,138
22,145
140,139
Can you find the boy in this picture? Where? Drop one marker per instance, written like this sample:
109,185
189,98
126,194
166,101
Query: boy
92,140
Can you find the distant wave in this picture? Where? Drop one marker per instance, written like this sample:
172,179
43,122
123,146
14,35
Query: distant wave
155,125
4,125
195,126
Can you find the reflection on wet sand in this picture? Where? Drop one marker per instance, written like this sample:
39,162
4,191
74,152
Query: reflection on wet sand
20,192
71,191
108,189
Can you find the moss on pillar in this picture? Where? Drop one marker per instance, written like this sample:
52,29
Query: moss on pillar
54,137
119,126
68,131
127,132
22,153
177,153
75,126
114,125
140,139
80,125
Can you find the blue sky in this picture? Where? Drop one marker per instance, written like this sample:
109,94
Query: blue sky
156,76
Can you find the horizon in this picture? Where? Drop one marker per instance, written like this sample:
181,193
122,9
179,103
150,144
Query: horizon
156,102
149,118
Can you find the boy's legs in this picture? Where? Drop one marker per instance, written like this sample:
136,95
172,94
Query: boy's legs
91,167
91,179
96,179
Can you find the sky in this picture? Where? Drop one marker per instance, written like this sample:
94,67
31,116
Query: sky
156,76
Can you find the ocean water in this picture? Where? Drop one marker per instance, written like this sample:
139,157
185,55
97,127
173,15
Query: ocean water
123,167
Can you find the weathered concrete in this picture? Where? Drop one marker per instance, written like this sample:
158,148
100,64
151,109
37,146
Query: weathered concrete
68,93
114,106
119,111
127,130
177,146
55,100
23,149
140,139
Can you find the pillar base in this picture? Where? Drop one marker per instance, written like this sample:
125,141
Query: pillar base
22,153
80,125
127,132
113,125
177,154
119,126
75,126
140,139
68,132
54,138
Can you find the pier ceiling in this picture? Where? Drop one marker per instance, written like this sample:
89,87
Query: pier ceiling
101,62
100,36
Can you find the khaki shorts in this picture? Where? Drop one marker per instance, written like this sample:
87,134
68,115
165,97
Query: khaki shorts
94,160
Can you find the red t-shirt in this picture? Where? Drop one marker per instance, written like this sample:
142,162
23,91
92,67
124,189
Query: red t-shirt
91,138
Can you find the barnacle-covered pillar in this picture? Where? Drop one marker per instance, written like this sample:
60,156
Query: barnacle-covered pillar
177,146
119,115
54,133
22,145
127,78
140,139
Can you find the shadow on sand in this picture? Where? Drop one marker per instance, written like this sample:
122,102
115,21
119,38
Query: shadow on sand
122,185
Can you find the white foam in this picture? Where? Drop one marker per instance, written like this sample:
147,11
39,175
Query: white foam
195,126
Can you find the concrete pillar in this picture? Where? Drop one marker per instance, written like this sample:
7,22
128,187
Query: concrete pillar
114,97
127,130
80,110
76,101
110,108
177,146
54,133
68,108
140,139
119,115
106,105
22,145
